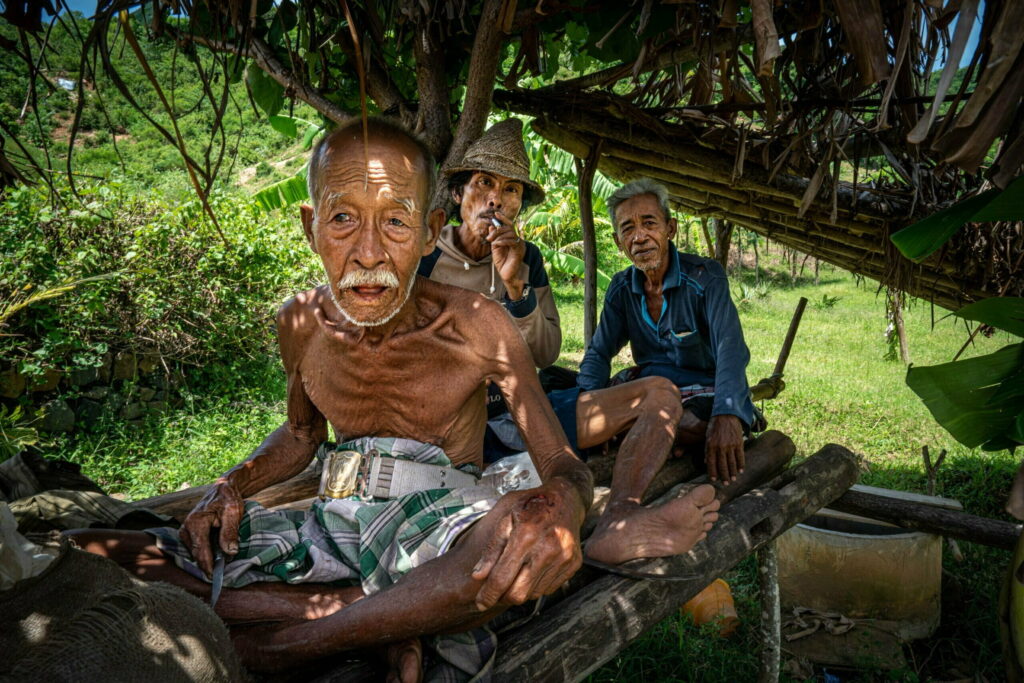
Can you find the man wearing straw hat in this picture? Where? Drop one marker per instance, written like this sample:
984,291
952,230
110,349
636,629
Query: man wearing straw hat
483,252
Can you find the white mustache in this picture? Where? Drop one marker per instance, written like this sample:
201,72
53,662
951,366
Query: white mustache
368,278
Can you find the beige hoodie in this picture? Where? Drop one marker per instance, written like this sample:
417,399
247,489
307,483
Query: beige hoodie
535,314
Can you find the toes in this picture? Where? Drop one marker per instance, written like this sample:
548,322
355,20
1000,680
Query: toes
712,506
703,495
711,516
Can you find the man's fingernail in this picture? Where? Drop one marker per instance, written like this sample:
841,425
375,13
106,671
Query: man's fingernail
478,565
233,548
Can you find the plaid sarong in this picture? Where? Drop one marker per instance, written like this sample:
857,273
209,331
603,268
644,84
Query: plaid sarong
349,541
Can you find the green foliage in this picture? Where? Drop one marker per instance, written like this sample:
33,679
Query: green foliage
961,395
923,238
14,434
568,264
142,156
283,193
180,291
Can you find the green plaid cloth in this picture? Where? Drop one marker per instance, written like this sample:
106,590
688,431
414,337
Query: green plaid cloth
349,541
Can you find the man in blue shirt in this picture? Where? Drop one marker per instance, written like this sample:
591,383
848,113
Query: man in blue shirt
675,312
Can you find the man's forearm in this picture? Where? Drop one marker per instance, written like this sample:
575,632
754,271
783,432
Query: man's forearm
281,456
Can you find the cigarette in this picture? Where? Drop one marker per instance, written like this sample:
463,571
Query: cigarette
495,222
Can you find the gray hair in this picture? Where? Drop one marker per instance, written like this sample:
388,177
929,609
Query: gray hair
635,188
387,128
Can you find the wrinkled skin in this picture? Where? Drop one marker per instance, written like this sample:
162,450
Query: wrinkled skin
485,196
391,365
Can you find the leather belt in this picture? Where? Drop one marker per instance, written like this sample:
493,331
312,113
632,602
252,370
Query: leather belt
372,475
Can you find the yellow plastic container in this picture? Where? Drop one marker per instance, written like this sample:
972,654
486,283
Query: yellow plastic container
713,604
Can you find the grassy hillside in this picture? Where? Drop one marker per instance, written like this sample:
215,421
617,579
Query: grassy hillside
115,139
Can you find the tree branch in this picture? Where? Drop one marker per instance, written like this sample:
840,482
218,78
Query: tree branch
264,57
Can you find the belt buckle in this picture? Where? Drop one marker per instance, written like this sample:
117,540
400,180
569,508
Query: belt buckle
340,477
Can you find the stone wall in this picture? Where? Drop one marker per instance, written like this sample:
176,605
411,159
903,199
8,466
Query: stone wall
127,386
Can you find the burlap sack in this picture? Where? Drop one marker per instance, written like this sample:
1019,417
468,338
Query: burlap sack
85,619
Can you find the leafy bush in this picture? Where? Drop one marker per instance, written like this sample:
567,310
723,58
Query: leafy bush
174,286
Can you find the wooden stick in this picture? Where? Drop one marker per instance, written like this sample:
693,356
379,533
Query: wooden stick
787,344
911,515
771,613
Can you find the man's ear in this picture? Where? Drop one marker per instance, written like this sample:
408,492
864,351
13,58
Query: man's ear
615,236
435,221
306,211
457,195
673,226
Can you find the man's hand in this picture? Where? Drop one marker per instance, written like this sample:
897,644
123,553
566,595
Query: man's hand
723,450
221,507
507,251
536,547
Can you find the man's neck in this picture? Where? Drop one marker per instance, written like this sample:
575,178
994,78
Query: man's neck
654,279
470,242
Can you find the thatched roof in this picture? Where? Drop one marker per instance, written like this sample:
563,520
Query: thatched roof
825,124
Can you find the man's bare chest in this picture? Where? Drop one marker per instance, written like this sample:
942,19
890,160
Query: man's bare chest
416,388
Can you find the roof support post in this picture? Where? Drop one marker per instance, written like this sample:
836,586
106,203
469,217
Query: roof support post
585,171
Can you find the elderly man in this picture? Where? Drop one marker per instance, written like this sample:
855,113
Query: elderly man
396,365
675,312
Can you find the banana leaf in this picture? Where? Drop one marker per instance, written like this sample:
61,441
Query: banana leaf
1008,206
570,265
960,396
1006,313
284,193
923,238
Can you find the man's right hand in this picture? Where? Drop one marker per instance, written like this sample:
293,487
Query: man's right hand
221,507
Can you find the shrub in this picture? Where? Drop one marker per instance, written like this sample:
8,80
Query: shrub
175,288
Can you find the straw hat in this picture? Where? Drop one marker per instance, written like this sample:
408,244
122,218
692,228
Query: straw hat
501,150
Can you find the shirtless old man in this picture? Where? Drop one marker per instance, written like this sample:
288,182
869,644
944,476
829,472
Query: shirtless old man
397,365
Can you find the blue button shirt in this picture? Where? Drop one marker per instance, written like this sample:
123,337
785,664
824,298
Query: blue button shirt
697,339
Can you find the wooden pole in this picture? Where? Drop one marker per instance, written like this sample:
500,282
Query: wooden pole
585,171
911,515
771,613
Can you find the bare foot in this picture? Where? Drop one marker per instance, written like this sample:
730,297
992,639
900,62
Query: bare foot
625,534
405,661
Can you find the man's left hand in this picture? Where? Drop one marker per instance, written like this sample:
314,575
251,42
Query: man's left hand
507,250
723,449
536,547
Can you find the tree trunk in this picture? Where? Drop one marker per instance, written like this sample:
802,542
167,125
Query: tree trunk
723,240
757,260
707,237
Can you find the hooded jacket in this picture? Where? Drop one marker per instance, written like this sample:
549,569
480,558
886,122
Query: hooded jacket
535,314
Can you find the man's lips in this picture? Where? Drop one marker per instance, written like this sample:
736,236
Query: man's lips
644,252
369,291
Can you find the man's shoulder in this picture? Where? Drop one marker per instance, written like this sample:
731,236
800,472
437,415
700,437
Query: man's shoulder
298,315
620,283
699,269
458,298
302,303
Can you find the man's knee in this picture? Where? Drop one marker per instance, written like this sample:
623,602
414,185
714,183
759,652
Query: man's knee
661,395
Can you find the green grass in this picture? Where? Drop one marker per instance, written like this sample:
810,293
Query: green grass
839,389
